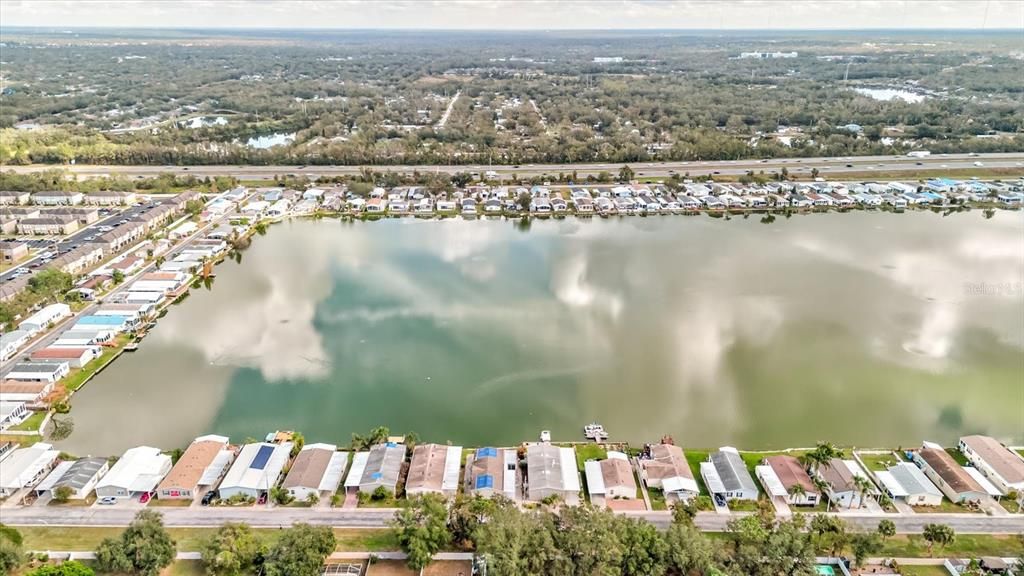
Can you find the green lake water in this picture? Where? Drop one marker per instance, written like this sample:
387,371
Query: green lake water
865,329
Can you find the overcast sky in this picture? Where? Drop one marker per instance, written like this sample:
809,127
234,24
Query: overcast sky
524,14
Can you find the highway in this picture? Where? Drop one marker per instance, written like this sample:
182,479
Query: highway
834,166
262,517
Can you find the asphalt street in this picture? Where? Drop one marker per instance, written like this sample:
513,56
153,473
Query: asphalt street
834,166
263,517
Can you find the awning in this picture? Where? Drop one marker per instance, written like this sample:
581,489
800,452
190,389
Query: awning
771,481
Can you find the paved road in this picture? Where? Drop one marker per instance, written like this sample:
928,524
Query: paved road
797,166
378,518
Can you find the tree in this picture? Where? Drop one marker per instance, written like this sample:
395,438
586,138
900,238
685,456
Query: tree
11,555
376,436
821,455
467,513
829,534
886,529
626,173
644,550
689,550
797,491
863,485
938,534
281,495
524,200
300,551
587,539
50,283
814,172
298,441
759,548
193,207
232,551
111,556
822,488
62,494
68,568
422,528
864,545
144,547
117,277
684,511
512,543
312,498
61,428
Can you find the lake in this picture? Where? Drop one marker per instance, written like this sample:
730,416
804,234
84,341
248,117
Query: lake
865,328
270,140
890,94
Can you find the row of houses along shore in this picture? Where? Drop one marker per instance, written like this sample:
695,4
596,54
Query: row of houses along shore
212,470
631,199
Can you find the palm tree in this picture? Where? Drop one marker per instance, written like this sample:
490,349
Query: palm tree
863,485
797,491
822,487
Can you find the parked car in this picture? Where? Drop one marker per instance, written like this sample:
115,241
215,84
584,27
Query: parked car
263,498
106,500
209,497
145,497
720,500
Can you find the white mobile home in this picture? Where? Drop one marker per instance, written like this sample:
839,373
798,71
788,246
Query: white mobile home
256,470
137,472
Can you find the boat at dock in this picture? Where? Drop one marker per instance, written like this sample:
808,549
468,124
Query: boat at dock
595,432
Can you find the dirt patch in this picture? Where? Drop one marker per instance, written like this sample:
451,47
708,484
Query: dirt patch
389,568
449,568
624,505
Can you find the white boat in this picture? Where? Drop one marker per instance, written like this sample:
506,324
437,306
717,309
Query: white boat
545,435
595,431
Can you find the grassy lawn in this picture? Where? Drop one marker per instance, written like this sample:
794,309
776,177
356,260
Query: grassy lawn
657,499
878,462
31,423
76,502
190,539
1011,506
21,440
914,546
589,452
389,502
694,458
946,507
169,503
960,459
78,376
937,570
366,539
742,505
185,568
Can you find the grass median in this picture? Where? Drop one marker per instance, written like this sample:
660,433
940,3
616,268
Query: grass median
191,539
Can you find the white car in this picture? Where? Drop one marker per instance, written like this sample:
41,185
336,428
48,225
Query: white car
978,164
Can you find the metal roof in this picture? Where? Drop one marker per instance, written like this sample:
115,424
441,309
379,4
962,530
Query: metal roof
771,481
732,471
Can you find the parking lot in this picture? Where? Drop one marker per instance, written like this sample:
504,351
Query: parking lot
44,249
